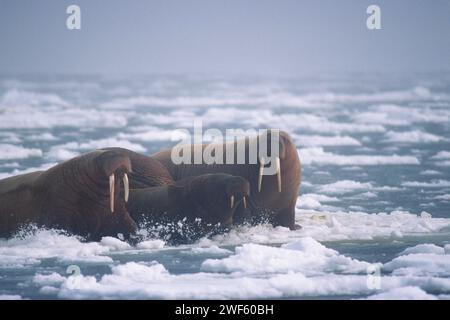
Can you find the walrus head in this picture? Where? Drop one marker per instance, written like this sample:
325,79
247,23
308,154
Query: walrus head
213,198
87,195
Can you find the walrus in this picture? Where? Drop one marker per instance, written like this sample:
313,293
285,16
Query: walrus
272,197
190,208
110,191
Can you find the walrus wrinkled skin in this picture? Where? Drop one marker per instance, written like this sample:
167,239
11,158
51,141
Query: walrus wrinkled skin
87,196
73,196
267,203
108,192
213,198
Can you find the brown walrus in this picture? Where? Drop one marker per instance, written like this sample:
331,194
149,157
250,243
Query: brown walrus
272,197
190,208
105,192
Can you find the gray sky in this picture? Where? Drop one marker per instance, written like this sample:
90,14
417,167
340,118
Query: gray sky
228,36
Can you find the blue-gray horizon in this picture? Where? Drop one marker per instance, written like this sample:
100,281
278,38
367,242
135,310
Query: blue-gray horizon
288,38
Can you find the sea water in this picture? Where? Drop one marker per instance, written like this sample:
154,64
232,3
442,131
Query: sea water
374,202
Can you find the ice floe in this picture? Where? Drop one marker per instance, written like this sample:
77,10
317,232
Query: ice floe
433,184
314,140
415,136
297,269
355,148
318,156
9,151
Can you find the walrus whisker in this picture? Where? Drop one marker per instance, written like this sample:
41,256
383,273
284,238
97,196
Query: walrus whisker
231,202
278,167
261,171
126,186
112,182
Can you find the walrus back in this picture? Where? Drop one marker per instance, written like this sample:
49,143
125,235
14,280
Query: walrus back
17,202
18,182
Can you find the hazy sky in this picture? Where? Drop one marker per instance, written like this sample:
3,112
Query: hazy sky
275,37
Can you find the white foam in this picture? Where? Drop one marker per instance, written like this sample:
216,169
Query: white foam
306,122
318,156
16,172
415,136
403,293
396,115
142,280
10,297
417,93
305,255
432,184
314,140
46,136
29,118
9,151
178,118
444,197
423,248
10,165
60,154
233,99
430,172
441,155
32,110
367,195
345,186
349,186
319,197
151,244
138,281
67,148
212,250
298,269
152,134
10,137
420,261
334,226
18,98
48,279
114,244
45,244
307,202
268,96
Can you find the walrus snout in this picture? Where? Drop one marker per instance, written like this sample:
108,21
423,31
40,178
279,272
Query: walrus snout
115,165
112,161
237,189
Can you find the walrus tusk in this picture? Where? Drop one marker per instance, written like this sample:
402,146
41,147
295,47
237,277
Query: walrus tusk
231,202
112,182
245,202
126,186
278,167
261,171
